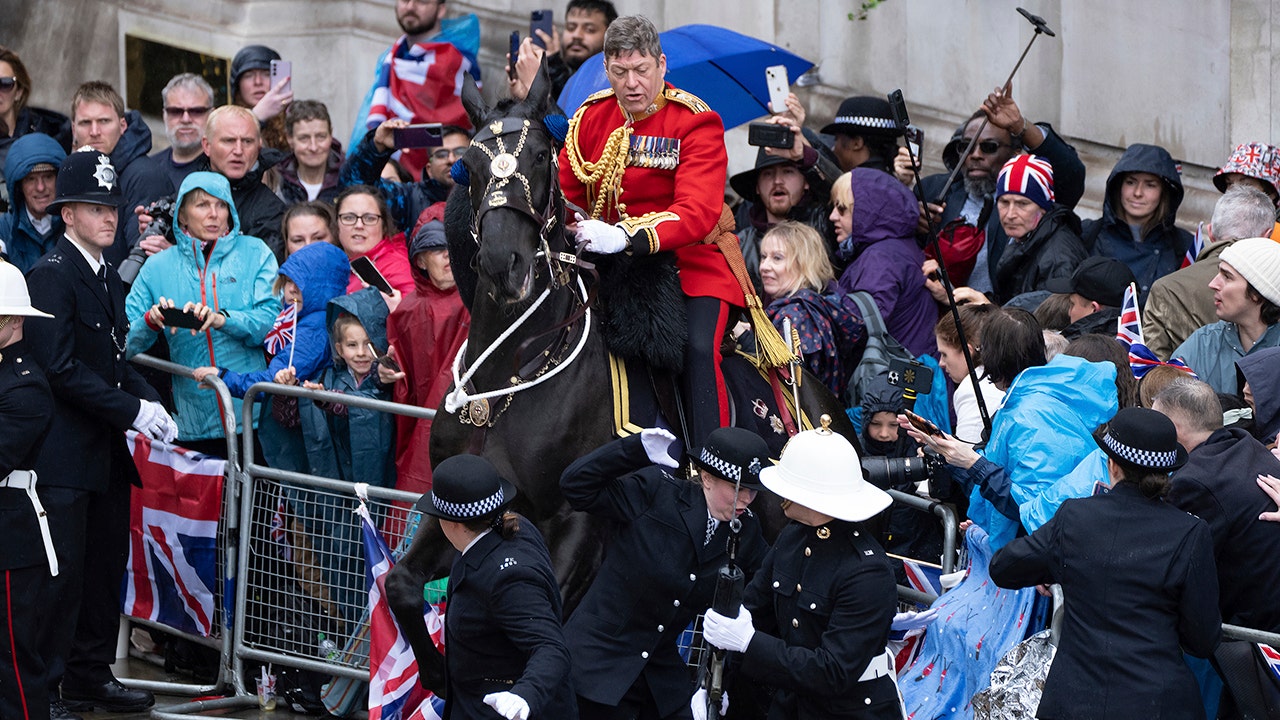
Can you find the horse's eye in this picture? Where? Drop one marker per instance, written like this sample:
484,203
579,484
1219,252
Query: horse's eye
541,157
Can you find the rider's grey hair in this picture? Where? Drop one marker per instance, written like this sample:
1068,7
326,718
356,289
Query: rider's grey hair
633,33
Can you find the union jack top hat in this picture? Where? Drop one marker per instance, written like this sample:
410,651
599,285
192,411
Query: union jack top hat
1027,175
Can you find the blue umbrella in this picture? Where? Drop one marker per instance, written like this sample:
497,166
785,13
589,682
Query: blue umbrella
724,68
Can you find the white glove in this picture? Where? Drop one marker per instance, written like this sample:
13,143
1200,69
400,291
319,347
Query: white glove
732,634
913,620
146,420
509,705
168,428
657,443
699,704
601,237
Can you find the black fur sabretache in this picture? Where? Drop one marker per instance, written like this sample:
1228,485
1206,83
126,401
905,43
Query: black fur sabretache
643,309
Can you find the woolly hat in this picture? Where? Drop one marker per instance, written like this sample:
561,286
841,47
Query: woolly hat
1030,176
1256,160
1258,261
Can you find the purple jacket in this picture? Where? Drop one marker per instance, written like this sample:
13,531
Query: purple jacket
886,260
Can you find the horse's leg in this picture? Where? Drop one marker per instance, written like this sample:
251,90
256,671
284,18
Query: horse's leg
423,562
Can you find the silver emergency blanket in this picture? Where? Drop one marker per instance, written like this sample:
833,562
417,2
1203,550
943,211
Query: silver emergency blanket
1017,681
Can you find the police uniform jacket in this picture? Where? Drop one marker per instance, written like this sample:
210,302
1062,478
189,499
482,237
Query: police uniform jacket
82,350
673,185
822,607
1140,588
656,577
503,631
25,407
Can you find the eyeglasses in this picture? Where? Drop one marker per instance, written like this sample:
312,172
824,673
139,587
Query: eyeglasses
194,112
446,153
990,147
349,219
8,83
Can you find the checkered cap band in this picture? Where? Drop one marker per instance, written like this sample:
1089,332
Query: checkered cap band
865,121
726,469
476,509
1141,458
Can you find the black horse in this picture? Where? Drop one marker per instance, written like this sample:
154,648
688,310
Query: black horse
532,326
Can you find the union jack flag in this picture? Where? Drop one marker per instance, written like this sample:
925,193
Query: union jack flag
281,334
1197,244
280,530
1129,332
1272,657
172,567
394,690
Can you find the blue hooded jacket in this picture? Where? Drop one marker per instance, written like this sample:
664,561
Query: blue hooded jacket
1041,433
886,259
320,271
23,243
236,278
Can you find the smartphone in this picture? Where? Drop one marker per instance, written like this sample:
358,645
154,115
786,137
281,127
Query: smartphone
762,134
514,54
921,424
915,141
417,136
280,70
364,269
776,78
383,360
173,317
540,20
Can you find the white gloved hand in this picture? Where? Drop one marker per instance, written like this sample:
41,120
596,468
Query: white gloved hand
601,237
146,419
168,428
732,634
699,704
657,444
913,620
508,704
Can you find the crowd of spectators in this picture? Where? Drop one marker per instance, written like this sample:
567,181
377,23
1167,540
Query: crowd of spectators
251,219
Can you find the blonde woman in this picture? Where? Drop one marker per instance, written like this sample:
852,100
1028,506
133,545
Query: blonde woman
798,281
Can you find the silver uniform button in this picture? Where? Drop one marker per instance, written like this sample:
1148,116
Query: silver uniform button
661,628
855,534
813,606
645,654
795,623
776,583
692,577
676,603
867,701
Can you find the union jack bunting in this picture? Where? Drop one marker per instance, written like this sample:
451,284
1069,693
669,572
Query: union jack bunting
1129,332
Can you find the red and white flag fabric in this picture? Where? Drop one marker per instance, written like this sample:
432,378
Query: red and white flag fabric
1129,332
1272,658
394,690
173,536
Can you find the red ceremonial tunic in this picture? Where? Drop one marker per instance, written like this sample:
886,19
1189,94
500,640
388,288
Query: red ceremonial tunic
667,208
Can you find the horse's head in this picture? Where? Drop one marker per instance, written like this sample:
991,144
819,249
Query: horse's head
516,204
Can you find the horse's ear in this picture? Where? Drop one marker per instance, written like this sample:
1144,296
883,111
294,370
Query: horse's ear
539,98
477,110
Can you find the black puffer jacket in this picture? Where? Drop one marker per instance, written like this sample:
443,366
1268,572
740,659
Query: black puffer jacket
1052,250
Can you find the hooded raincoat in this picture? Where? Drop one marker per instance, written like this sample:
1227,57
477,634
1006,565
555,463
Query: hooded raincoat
23,243
1262,371
233,275
1161,249
886,260
1041,433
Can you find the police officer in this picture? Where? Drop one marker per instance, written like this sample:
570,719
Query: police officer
661,567
815,619
506,645
25,562
85,467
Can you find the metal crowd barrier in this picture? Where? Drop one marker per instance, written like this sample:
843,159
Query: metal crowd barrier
950,535
227,540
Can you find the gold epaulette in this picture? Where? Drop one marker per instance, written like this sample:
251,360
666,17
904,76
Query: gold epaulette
685,98
597,96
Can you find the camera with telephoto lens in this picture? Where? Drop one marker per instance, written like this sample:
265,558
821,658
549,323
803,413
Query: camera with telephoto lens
887,472
160,211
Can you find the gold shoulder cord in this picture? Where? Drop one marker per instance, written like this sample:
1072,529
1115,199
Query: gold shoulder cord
603,178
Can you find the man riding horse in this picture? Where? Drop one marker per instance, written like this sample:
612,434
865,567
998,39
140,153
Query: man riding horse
647,161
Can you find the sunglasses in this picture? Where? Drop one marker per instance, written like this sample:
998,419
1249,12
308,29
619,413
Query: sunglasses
8,83
990,147
195,112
